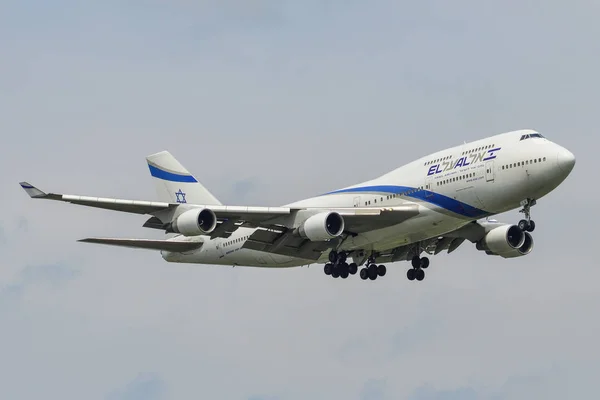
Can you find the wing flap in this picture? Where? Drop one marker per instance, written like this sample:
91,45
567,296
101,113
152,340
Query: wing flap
284,242
148,244
369,219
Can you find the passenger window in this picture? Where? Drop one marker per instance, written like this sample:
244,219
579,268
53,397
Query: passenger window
544,158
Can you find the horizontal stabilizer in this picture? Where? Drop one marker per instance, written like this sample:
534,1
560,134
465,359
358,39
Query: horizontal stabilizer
149,244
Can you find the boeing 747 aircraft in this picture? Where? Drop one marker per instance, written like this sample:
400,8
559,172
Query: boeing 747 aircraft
430,205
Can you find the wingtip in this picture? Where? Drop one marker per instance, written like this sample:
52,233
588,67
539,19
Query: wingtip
31,190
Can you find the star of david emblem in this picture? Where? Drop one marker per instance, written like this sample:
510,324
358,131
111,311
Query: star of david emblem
180,196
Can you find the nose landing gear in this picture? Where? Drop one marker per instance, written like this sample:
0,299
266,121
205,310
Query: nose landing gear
527,224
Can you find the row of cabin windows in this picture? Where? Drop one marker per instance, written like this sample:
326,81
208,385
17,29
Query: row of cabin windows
478,149
456,178
438,160
522,163
491,146
238,240
393,196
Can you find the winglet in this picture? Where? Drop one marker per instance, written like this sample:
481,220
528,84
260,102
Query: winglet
32,191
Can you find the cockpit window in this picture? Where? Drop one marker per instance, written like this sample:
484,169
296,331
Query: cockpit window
531,135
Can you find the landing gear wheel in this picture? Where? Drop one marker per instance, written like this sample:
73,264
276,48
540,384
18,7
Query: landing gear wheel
352,268
364,274
523,225
381,270
335,272
419,274
531,227
333,256
424,262
344,273
410,274
328,268
416,262
372,270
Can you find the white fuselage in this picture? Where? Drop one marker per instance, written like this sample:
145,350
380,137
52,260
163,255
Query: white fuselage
451,188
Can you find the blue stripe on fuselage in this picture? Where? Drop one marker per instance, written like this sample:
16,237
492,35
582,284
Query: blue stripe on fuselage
170,176
437,199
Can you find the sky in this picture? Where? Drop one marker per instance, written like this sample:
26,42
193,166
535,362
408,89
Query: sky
267,102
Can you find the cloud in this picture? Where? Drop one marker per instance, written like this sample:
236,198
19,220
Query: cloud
34,278
143,387
260,397
429,393
2,235
373,390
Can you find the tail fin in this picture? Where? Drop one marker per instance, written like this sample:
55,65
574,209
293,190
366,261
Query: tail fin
175,184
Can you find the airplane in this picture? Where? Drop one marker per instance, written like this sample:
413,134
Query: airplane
430,205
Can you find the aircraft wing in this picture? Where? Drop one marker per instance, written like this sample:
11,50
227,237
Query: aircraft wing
357,219
236,214
281,240
130,206
449,242
178,246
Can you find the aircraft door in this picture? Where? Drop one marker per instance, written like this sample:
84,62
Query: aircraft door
429,187
489,171
357,201
219,244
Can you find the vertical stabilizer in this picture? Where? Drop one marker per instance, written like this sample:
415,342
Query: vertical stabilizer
174,183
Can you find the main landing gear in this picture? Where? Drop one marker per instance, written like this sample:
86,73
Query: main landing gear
418,265
338,267
527,224
372,270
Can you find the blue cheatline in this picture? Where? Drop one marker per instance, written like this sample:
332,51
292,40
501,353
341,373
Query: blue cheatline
170,176
437,199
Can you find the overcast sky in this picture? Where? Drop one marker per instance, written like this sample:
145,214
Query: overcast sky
268,102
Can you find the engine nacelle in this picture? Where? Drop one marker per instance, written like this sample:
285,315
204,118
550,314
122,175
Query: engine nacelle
525,249
507,241
198,221
321,227
502,239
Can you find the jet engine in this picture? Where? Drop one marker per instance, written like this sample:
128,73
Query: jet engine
198,221
507,241
322,226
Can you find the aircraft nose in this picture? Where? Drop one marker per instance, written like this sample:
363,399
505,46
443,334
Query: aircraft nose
565,160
